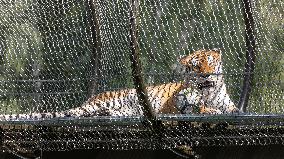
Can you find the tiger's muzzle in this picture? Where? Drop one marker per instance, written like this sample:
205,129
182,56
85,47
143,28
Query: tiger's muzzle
206,84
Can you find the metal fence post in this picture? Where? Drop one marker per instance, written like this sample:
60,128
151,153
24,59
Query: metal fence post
136,63
250,55
96,50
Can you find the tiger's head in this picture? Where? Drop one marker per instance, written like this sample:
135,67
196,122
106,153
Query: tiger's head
203,67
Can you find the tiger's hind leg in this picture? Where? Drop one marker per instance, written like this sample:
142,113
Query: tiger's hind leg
89,109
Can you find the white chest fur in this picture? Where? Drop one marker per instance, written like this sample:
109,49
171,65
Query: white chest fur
217,97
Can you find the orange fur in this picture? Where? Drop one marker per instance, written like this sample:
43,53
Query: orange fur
205,110
164,92
203,66
167,92
162,97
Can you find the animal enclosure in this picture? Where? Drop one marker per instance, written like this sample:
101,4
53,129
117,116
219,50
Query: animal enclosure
55,55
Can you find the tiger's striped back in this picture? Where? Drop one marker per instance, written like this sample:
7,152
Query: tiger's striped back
125,102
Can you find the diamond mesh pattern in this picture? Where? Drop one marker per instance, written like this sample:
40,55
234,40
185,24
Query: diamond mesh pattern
55,55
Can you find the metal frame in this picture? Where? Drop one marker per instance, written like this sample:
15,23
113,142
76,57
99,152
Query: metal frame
105,124
250,55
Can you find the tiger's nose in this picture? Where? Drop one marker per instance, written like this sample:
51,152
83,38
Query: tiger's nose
204,75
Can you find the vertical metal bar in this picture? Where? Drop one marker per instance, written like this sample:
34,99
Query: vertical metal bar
96,50
136,63
250,55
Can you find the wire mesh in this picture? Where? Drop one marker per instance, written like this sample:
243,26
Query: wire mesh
56,55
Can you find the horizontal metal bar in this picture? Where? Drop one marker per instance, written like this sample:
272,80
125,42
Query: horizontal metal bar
229,118
41,93
98,120
238,119
128,75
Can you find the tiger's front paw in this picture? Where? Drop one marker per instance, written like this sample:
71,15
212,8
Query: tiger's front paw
206,110
232,110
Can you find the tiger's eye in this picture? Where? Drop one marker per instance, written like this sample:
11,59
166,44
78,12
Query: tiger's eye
210,59
194,62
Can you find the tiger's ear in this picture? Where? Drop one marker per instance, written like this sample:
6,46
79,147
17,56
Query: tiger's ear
217,50
185,60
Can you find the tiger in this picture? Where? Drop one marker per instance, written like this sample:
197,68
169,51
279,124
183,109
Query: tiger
206,69
202,86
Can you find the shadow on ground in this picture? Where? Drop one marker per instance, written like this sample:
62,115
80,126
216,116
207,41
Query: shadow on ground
234,152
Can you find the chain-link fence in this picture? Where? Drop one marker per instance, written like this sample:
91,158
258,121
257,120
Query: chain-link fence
55,55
